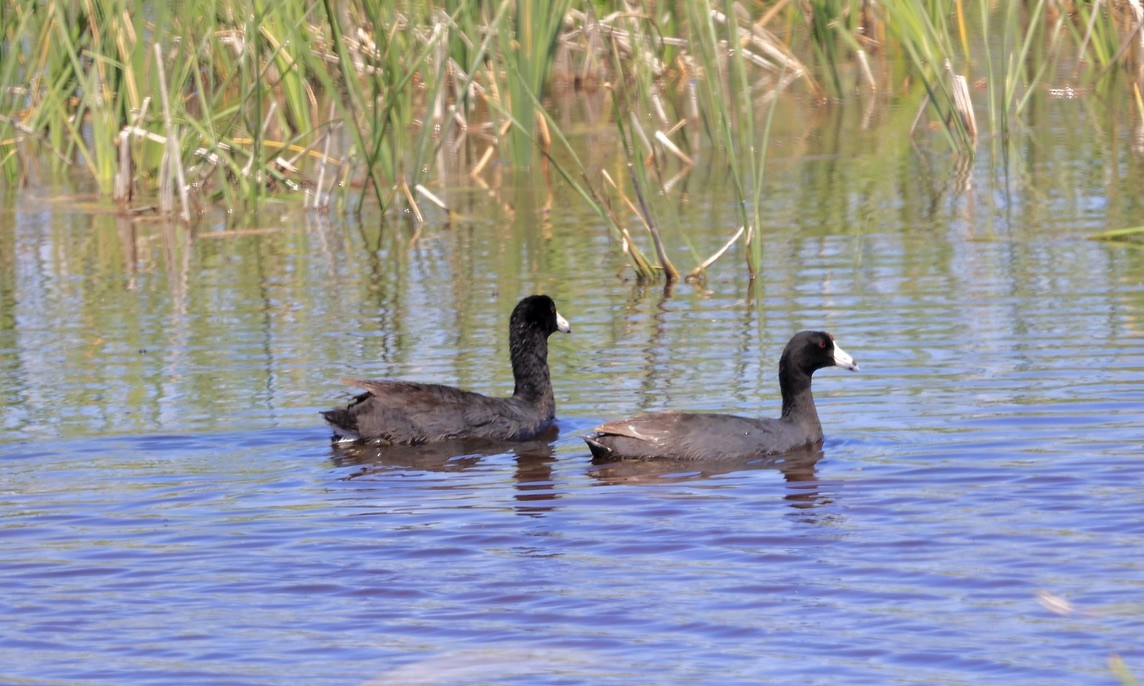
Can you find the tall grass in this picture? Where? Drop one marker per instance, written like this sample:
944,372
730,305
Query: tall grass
345,102
529,51
726,103
928,38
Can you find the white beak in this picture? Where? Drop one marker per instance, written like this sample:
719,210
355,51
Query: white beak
843,359
562,324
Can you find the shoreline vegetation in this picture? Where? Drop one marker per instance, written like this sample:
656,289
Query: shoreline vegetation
341,103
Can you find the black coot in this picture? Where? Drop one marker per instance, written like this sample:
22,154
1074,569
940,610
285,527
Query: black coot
688,436
402,412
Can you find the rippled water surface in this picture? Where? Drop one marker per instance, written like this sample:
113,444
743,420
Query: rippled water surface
171,511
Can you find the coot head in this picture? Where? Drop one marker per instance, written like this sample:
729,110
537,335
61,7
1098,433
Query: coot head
538,312
809,351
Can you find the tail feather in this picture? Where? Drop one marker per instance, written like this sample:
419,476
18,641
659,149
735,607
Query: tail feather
598,449
343,422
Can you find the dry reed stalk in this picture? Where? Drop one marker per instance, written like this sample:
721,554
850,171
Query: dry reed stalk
308,150
867,73
656,99
23,128
124,176
459,119
595,44
639,130
643,268
1126,45
692,99
174,160
440,66
166,197
1137,9
1095,10
124,172
918,116
669,269
319,201
542,132
771,13
123,39
774,55
962,104
425,192
412,202
673,148
619,39
285,165
480,165
679,176
623,196
694,273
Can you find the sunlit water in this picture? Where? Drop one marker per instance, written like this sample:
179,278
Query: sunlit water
171,510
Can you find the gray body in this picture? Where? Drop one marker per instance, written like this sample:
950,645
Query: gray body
401,412
404,412
693,436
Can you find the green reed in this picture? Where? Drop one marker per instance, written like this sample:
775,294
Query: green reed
726,104
529,50
826,23
577,175
926,36
349,101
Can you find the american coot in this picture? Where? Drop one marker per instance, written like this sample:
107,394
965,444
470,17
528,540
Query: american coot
408,413
686,436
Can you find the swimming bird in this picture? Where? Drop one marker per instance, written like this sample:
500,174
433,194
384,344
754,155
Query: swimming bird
409,413
694,436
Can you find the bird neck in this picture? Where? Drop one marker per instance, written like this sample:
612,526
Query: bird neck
798,401
528,349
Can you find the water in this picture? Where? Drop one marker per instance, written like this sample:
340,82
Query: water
171,511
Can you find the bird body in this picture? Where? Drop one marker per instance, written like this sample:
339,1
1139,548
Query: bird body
695,436
410,413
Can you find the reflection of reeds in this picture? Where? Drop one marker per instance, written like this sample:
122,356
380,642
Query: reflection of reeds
411,89
1135,233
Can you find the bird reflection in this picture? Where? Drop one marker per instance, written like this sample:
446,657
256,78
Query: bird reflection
799,469
535,490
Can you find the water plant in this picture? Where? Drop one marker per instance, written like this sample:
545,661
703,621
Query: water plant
341,102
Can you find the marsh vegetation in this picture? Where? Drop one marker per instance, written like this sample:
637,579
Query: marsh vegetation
335,104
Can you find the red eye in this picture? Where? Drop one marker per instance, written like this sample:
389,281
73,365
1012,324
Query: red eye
822,344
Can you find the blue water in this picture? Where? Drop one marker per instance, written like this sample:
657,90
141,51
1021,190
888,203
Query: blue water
975,515
171,511
257,556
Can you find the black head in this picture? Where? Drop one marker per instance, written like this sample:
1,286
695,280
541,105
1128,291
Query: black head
538,311
808,351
